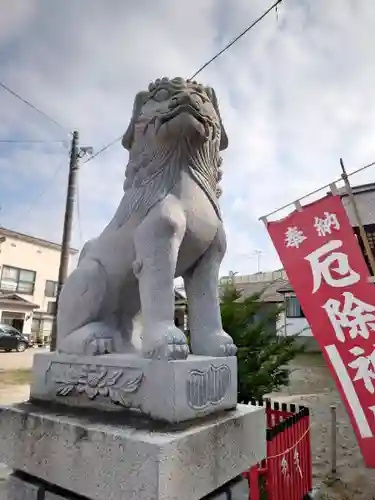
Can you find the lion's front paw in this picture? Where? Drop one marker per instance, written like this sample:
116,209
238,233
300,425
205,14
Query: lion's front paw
218,344
170,344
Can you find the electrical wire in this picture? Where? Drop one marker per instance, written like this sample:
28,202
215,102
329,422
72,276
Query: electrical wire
11,141
104,148
28,103
274,6
44,190
107,146
79,212
264,217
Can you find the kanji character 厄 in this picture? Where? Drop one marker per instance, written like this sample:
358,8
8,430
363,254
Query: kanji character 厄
365,366
294,237
323,268
356,315
324,226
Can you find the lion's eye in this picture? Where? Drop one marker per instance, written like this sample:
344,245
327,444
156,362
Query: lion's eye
161,95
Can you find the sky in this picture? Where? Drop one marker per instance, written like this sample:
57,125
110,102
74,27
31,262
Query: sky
295,94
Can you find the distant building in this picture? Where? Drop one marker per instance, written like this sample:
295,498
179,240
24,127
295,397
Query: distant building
29,268
265,285
261,277
364,196
180,309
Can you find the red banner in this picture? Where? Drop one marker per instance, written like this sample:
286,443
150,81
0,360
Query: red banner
329,275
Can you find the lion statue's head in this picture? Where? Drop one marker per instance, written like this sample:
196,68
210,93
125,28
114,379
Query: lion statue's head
175,124
176,109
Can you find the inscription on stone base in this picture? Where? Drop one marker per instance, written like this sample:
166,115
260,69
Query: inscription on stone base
206,387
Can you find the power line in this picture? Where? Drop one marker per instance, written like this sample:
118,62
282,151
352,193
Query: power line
274,6
44,190
79,213
264,217
26,141
28,103
104,148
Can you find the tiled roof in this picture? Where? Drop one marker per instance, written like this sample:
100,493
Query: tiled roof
285,288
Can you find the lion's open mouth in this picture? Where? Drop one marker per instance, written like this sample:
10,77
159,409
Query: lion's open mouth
204,121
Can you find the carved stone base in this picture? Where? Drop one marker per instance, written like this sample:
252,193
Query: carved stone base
101,455
173,391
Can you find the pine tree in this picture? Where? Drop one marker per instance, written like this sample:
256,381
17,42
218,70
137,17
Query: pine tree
263,357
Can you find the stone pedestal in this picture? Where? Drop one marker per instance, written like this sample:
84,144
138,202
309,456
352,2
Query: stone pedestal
22,487
173,391
120,456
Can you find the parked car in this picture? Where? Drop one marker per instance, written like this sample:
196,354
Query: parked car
11,339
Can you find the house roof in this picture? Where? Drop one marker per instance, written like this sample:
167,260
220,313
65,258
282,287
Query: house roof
32,239
269,290
13,298
180,297
360,188
287,287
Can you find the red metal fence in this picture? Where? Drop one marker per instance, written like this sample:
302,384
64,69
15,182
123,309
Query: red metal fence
286,473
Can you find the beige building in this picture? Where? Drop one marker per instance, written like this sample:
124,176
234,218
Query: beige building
29,270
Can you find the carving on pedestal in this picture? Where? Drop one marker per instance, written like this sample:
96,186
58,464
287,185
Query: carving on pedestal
93,380
208,387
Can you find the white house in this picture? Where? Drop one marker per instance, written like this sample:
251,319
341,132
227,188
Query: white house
29,268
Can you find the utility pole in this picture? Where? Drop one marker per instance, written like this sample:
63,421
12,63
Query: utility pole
67,231
258,254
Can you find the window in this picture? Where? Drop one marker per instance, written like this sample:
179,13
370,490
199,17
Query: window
293,308
17,280
8,330
51,307
51,288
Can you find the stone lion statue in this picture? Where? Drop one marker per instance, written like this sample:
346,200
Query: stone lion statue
168,224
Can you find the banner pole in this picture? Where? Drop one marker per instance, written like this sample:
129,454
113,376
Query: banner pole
362,231
333,440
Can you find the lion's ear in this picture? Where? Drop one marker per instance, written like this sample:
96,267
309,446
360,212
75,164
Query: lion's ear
139,101
224,138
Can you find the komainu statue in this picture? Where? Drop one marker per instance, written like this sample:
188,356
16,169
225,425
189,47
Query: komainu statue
167,225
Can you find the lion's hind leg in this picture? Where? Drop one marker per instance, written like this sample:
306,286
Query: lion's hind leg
79,328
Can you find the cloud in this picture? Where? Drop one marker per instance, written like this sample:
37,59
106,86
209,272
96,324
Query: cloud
295,94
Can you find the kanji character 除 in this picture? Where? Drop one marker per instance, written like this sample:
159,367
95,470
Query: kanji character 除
355,315
321,261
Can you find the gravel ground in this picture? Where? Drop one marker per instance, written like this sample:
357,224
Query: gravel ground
312,385
18,360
